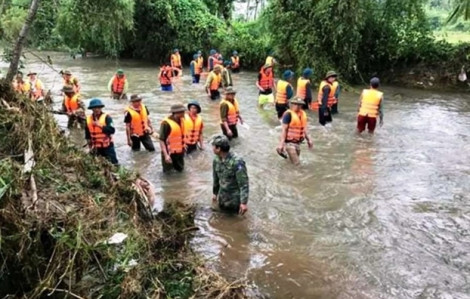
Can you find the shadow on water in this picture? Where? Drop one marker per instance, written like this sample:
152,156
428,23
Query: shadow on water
383,216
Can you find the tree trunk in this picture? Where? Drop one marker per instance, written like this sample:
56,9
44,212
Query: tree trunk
21,40
247,10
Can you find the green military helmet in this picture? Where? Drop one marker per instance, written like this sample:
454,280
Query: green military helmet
95,103
196,104
331,74
297,101
220,141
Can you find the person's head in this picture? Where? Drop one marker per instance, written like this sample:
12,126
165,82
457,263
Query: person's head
196,56
307,73
136,100
220,145
235,53
217,69
199,53
374,83
96,106
67,74
230,93
227,63
267,69
194,107
68,90
120,73
331,76
19,76
288,75
177,111
32,75
176,51
212,52
296,104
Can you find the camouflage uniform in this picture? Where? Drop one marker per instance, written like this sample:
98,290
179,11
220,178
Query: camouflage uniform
230,182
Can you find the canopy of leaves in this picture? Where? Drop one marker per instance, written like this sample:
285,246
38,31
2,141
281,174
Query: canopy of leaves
162,25
351,36
97,25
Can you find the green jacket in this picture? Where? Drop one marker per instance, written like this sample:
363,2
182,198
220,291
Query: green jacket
231,183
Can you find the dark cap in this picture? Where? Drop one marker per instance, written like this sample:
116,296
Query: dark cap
135,98
220,140
375,82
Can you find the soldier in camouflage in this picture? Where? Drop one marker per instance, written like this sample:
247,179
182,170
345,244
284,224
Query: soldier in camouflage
231,187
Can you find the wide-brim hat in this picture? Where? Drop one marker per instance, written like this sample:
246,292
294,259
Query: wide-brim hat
297,101
68,89
195,103
218,67
331,74
177,108
135,98
67,72
31,73
230,90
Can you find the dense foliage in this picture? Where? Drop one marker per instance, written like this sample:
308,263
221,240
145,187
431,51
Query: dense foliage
326,35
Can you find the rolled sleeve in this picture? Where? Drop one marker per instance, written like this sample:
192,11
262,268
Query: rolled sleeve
243,182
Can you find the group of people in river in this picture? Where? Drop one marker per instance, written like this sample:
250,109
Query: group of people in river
181,132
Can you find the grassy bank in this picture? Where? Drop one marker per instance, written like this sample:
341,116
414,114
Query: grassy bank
58,217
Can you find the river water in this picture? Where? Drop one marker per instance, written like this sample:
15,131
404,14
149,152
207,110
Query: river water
383,216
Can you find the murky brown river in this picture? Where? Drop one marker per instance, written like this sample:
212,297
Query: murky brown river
386,216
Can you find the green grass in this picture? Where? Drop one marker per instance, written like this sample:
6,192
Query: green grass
453,37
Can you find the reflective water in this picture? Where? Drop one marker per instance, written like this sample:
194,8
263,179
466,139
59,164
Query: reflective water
384,216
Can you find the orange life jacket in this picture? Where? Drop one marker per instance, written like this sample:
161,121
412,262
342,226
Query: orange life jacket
98,138
235,61
297,126
175,141
331,95
334,86
200,63
37,91
192,129
302,87
195,64
118,84
214,62
165,75
266,81
233,111
281,95
72,103
370,102
139,120
176,60
216,79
